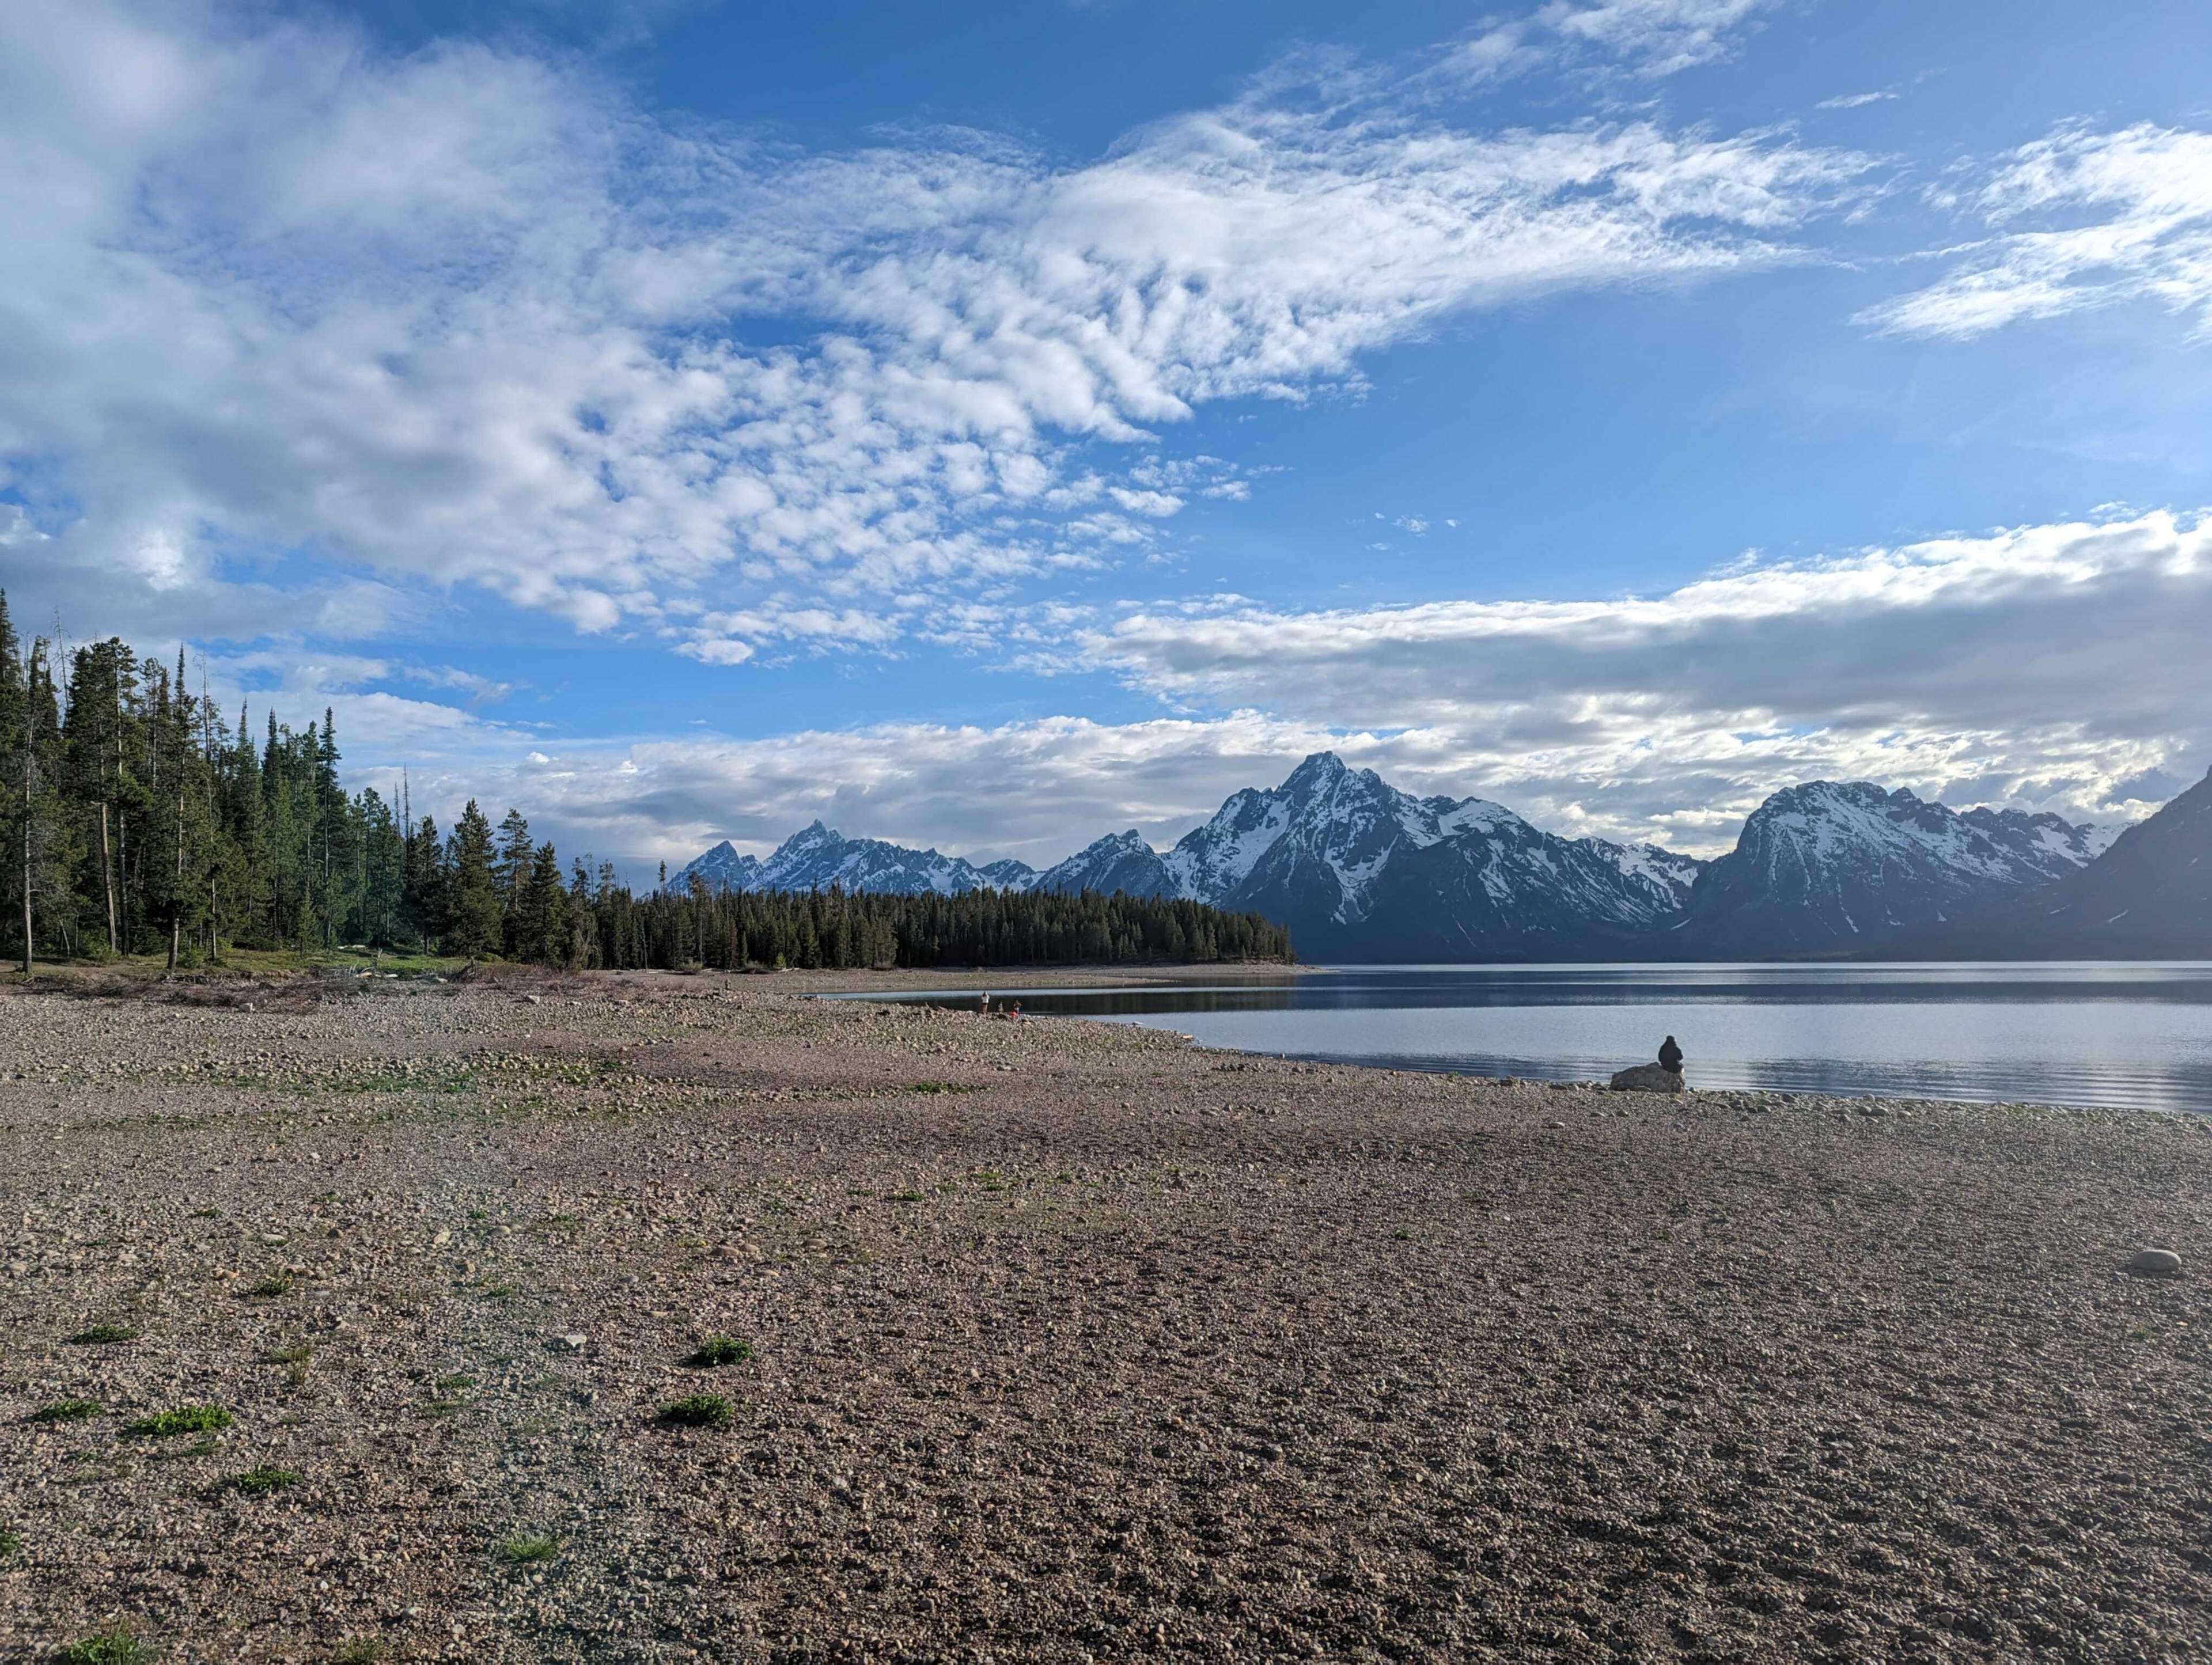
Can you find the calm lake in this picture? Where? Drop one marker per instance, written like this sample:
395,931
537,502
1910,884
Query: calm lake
2136,1035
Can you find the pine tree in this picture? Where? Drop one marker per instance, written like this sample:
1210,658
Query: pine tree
14,731
511,869
423,905
473,913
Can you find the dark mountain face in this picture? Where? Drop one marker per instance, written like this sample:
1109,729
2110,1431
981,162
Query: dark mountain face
1829,866
1120,861
2149,896
720,869
1512,893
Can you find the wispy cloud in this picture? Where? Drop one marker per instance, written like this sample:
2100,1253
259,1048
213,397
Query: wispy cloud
2077,220
469,316
1854,101
1652,38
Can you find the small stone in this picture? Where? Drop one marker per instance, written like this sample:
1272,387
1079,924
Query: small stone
529,1000
2155,1263
1648,1077
571,1342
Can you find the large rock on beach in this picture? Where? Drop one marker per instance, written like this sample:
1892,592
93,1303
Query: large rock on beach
2155,1263
1649,1077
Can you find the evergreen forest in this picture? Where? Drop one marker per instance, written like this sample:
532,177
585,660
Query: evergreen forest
139,819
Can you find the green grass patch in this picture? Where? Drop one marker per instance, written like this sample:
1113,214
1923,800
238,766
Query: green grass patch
525,1548
717,1350
259,1482
184,1420
68,1410
360,1650
113,1644
270,1288
940,1086
903,1196
11,1545
455,1383
100,1335
700,1411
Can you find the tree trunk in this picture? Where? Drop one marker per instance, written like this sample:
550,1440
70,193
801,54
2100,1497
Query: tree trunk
107,877
177,907
30,956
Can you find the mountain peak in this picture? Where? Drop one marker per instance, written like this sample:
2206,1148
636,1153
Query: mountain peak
1319,769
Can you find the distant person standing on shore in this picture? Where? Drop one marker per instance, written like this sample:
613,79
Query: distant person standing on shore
1670,1056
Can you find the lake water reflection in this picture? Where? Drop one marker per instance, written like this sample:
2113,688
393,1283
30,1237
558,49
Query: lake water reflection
2129,1036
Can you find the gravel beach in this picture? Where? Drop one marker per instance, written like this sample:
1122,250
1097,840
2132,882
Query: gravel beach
1059,1341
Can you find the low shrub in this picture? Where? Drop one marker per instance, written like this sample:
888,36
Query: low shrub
700,1411
185,1419
718,1350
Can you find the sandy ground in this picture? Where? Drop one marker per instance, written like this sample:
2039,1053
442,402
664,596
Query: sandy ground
1068,1342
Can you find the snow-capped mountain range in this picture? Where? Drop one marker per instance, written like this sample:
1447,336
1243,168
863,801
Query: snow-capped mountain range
1360,870
2148,897
817,859
1827,864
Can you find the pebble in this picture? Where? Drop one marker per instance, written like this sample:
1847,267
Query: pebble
2155,1263
1050,1391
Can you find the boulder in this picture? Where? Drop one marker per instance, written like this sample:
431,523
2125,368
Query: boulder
1649,1077
2155,1263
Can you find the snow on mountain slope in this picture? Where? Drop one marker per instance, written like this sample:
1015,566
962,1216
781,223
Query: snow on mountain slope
2146,895
722,869
1213,860
1120,861
1826,865
1659,880
1359,870
816,858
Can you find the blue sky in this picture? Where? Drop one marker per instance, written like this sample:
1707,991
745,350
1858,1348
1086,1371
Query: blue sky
994,426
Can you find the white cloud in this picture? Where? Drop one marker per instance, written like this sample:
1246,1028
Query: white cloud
2042,667
2080,219
1661,36
1854,101
2046,664
1650,36
469,317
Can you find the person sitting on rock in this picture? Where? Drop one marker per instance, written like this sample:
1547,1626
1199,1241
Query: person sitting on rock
1670,1056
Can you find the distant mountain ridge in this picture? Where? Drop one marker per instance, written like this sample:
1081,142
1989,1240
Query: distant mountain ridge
1358,870
1828,864
817,859
2147,896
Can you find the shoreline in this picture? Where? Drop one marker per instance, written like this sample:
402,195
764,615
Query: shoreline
1069,1341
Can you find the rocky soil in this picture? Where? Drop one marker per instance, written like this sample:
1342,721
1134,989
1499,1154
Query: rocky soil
1066,1342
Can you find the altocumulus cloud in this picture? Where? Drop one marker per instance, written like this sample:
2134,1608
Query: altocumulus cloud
470,316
